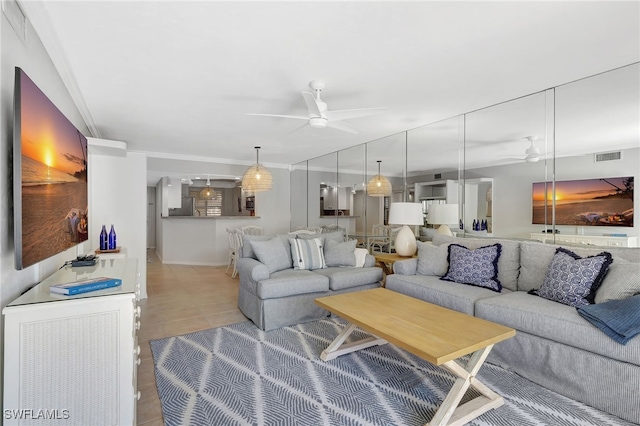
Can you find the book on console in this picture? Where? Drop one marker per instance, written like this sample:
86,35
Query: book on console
85,286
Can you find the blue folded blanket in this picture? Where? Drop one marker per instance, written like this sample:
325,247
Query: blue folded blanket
618,319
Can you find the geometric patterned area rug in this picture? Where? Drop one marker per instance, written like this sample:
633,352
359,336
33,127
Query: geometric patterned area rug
240,375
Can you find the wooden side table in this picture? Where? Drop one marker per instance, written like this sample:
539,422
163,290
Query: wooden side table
386,261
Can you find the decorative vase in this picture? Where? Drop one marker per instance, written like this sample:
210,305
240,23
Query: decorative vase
112,239
104,238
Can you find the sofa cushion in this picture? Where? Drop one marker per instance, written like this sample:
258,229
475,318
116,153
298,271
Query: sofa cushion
432,259
291,282
621,282
346,277
247,248
477,267
573,280
556,322
272,253
340,254
535,259
459,297
307,254
508,264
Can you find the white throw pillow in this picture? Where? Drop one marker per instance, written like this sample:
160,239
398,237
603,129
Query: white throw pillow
361,257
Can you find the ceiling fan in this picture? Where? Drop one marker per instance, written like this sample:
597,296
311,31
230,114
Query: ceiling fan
532,153
319,116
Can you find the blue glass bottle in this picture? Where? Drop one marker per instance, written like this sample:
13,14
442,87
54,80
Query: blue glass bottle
112,239
104,238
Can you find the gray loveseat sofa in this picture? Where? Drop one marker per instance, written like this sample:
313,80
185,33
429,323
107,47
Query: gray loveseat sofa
273,294
554,346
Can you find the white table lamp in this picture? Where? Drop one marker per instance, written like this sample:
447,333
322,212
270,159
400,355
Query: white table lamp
443,215
405,214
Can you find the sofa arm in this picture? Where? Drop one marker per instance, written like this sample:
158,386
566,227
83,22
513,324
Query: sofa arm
249,268
406,267
369,261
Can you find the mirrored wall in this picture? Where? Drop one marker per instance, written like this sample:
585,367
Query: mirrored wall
558,166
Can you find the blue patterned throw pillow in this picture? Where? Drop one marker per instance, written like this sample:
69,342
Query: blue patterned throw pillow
477,267
573,280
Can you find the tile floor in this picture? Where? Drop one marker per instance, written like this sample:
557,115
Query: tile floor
181,299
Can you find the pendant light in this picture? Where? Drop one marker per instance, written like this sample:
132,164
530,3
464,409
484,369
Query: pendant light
379,186
257,177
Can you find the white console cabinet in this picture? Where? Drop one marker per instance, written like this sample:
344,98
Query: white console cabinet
591,240
72,360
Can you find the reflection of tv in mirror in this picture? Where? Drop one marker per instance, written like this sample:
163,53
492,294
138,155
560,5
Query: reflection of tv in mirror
50,177
587,202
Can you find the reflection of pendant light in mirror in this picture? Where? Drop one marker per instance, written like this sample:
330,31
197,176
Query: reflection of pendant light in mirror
208,185
257,177
379,186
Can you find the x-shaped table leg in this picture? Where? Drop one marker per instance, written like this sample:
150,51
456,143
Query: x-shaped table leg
449,413
338,347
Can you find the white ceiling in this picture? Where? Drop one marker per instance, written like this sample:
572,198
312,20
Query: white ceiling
178,77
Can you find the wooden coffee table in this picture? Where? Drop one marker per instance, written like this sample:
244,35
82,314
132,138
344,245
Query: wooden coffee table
436,334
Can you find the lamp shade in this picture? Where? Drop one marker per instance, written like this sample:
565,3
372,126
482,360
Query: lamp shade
257,177
406,214
379,186
443,215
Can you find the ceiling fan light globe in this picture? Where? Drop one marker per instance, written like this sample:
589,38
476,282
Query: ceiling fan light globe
532,159
318,122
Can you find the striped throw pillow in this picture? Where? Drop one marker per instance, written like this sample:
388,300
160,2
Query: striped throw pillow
307,254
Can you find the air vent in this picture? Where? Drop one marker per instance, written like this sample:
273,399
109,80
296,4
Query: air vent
16,18
608,156
437,176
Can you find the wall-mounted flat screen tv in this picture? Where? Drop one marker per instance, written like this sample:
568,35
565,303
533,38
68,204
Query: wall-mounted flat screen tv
586,202
50,192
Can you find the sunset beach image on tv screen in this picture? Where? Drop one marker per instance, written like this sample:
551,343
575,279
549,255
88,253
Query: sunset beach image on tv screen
54,177
587,202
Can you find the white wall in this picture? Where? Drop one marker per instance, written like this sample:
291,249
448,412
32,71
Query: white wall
118,196
203,241
31,56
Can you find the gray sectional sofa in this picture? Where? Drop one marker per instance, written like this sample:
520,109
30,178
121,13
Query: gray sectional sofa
554,346
273,294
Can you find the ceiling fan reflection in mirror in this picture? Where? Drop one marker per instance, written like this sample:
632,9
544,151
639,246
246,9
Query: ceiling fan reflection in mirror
319,116
532,153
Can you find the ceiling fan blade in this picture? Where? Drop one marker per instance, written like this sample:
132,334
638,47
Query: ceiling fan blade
312,106
346,114
296,129
297,117
343,126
